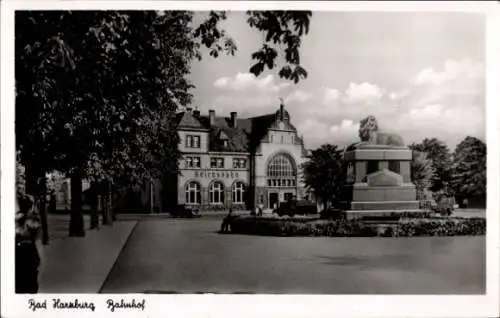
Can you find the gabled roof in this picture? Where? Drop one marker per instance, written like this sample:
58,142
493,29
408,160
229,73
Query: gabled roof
245,137
187,120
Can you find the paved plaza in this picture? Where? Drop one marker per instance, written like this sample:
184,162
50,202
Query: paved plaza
189,256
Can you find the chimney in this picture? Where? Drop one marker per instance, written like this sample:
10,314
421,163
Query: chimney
234,119
196,113
211,117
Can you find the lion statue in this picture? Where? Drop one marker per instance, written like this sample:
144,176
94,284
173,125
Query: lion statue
368,133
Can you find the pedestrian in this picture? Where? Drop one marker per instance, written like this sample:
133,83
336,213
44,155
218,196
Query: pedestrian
226,222
27,259
261,209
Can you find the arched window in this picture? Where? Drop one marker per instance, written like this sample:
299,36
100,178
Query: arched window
216,192
281,171
238,192
193,195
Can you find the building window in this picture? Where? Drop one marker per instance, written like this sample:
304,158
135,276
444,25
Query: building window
281,166
193,162
192,141
394,166
217,162
238,192
239,163
372,166
216,193
193,195
281,172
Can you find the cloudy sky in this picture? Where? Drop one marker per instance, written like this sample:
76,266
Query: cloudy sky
420,74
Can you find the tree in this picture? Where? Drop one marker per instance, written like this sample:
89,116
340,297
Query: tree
469,168
440,157
323,173
421,171
97,91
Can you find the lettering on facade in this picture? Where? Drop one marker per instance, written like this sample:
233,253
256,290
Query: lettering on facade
215,174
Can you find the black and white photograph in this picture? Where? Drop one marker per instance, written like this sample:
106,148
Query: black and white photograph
161,151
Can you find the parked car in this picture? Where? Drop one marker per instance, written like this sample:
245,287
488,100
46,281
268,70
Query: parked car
306,207
293,207
183,211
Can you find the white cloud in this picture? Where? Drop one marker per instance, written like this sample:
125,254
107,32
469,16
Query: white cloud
317,132
247,81
428,112
449,106
450,125
330,95
398,95
245,105
298,96
362,93
465,69
346,132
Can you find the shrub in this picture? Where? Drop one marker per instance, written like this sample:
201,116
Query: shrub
333,214
272,226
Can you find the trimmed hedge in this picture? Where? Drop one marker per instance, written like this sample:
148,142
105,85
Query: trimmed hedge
357,228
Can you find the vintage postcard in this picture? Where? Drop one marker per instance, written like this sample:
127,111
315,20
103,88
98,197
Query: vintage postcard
260,159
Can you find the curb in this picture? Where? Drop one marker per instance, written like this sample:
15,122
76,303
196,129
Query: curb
116,260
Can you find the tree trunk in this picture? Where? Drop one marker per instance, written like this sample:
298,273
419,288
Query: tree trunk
43,210
106,205
94,213
110,202
94,217
76,225
108,218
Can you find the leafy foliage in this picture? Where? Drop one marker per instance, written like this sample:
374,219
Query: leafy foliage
104,85
324,173
97,91
280,28
421,170
357,227
469,167
440,157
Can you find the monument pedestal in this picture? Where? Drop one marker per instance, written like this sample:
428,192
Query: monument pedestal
374,189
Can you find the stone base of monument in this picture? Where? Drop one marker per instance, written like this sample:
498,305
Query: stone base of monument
354,214
383,194
384,205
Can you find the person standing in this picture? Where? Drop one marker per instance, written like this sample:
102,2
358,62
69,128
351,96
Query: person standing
226,222
261,208
27,258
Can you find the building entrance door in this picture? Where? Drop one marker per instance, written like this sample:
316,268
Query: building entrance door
273,199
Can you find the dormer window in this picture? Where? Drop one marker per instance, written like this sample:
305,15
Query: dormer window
224,139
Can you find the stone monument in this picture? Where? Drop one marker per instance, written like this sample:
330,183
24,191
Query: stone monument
378,174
